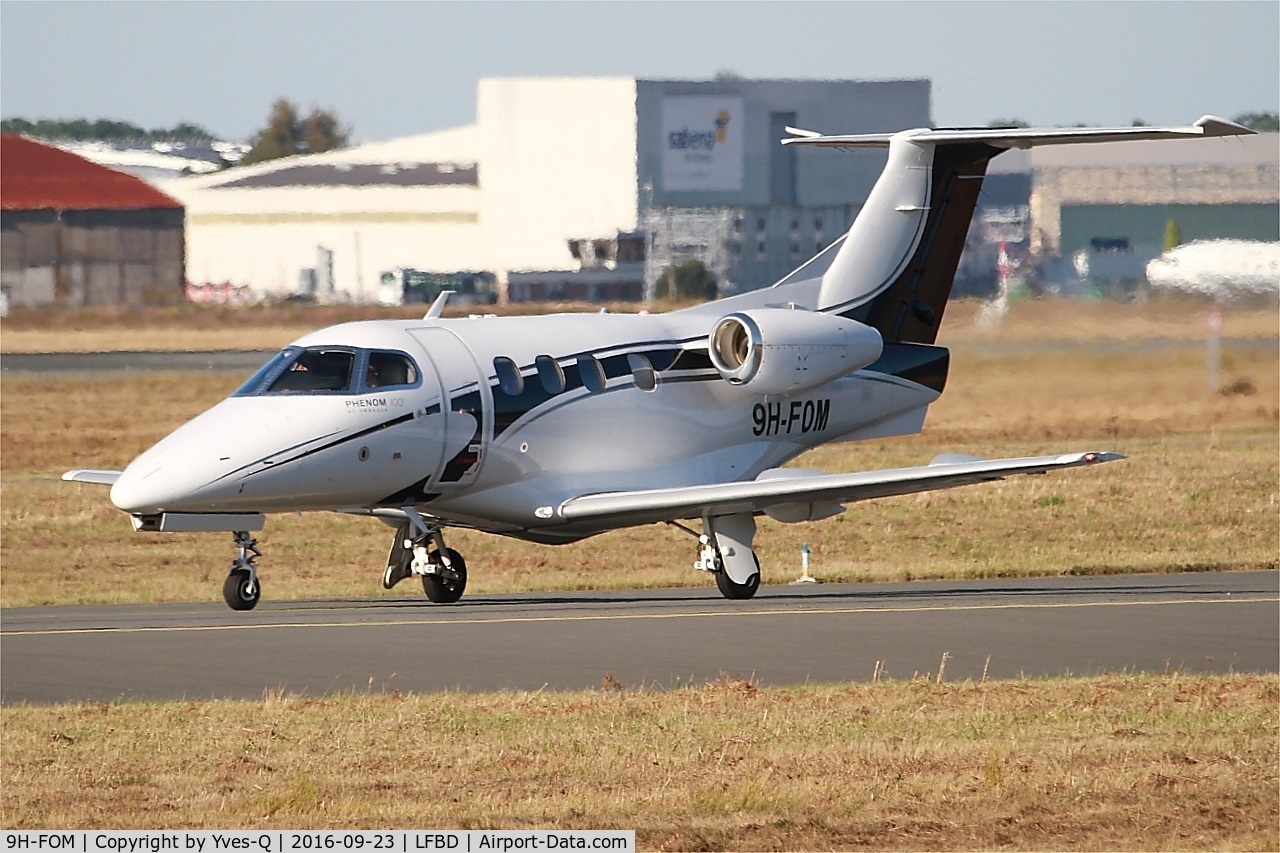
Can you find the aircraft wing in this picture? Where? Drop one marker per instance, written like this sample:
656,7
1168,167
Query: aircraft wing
93,475
781,489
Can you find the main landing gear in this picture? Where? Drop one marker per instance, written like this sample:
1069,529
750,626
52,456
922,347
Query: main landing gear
727,554
443,571
241,589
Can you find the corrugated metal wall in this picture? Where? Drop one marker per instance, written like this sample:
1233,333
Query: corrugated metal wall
92,257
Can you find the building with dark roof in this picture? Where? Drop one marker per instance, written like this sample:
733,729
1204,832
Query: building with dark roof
77,233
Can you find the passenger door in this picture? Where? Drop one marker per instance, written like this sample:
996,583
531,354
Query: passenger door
468,414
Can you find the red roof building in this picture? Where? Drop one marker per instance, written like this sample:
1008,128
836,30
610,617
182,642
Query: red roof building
35,176
74,232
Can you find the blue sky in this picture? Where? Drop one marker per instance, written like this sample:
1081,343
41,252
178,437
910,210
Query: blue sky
397,68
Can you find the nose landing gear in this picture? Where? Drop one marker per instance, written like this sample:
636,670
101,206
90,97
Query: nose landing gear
241,589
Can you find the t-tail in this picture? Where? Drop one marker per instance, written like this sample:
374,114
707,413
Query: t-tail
895,267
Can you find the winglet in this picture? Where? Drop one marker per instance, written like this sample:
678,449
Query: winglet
1214,126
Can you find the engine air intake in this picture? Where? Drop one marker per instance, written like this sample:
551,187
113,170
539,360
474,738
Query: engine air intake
780,351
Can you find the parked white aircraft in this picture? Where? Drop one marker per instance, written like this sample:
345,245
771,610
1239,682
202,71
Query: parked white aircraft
553,429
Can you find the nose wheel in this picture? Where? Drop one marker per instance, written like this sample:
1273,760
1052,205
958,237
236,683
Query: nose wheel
241,589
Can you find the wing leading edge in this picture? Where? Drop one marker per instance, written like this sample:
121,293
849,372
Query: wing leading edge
757,496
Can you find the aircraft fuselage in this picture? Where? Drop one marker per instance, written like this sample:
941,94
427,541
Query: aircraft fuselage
501,424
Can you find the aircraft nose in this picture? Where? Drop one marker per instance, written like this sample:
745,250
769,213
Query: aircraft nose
156,482
141,489
184,471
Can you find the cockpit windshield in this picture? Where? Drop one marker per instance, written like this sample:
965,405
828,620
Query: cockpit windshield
332,370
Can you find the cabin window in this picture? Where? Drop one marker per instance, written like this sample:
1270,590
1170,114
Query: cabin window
390,370
592,373
549,374
509,378
642,372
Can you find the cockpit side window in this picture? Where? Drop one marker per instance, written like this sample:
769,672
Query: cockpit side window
390,370
318,369
332,370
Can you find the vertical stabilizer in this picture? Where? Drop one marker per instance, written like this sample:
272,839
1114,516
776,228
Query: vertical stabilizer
895,267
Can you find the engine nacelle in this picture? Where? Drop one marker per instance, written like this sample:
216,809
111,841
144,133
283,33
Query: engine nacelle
779,351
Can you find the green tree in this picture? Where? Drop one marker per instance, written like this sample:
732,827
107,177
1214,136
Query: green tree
1172,235
1261,122
689,280
104,130
1007,122
322,132
182,132
287,134
279,138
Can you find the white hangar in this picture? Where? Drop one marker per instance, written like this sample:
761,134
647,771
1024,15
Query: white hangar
693,166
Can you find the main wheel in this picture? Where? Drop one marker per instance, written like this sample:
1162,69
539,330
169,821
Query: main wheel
448,586
236,590
729,588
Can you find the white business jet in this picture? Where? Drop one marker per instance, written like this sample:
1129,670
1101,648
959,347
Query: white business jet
553,429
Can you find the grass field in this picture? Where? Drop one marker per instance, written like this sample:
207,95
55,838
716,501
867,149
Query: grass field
211,327
1118,762
1165,762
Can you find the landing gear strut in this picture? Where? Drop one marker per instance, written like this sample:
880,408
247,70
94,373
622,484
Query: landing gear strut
442,569
241,589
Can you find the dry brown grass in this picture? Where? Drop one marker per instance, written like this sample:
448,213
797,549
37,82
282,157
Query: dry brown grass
1171,318
212,327
1200,491
1112,763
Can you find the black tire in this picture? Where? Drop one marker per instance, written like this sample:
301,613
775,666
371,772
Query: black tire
444,589
733,590
235,591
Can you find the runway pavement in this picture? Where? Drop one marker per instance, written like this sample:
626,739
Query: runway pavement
75,363
1215,622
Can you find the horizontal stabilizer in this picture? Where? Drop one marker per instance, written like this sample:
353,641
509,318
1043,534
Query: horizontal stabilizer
757,496
1023,137
93,475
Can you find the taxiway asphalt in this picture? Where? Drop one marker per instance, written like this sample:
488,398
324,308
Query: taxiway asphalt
1209,622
